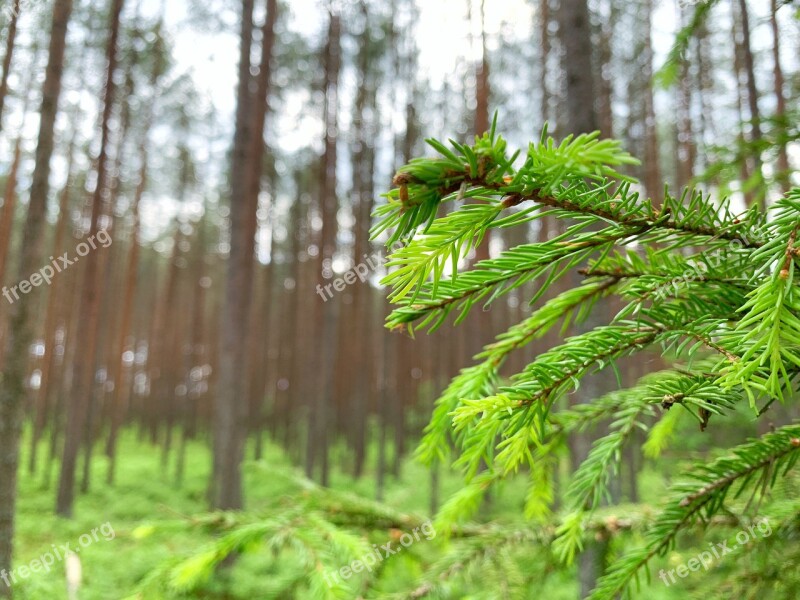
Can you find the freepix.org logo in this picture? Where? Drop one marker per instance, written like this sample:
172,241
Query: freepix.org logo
57,265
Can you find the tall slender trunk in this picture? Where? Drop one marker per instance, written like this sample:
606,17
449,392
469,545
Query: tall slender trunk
120,397
290,328
780,100
482,89
326,312
748,65
118,403
653,183
9,206
11,35
230,404
195,380
745,161
256,338
354,362
603,81
51,321
6,222
581,117
12,392
90,304
544,51
686,147
170,333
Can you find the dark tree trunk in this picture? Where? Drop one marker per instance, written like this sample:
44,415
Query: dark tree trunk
90,299
653,183
576,46
9,206
780,99
54,301
581,117
744,53
11,35
230,404
482,89
544,51
259,342
317,451
121,395
12,392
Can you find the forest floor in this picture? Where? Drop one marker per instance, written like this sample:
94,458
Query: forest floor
140,523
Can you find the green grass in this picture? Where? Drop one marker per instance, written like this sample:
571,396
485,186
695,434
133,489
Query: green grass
148,513
151,515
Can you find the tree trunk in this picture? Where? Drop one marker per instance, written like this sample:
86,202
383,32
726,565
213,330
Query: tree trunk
686,146
90,303
780,100
12,392
256,338
747,64
11,35
581,117
118,404
355,361
9,205
544,42
51,321
120,398
738,65
230,404
317,451
576,45
482,89
653,184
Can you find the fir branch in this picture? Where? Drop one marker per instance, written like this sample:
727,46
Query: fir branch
480,379
776,451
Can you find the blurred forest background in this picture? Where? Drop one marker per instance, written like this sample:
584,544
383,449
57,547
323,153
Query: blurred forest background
234,153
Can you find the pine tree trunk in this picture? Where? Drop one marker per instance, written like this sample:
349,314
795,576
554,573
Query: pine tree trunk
738,66
90,304
653,183
40,412
120,397
482,89
258,337
6,222
748,65
11,35
355,386
287,378
544,51
196,379
230,404
9,206
780,99
118,404
603,81
686,146
581,117
12,392
317,451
